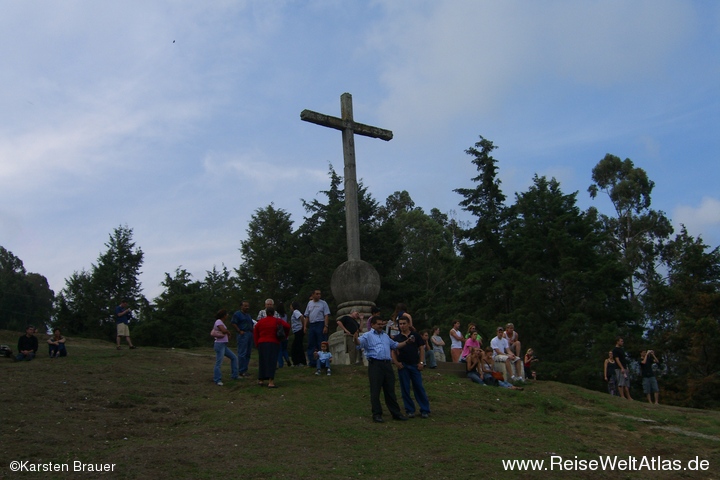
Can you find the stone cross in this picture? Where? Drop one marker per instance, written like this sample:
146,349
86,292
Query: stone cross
349,127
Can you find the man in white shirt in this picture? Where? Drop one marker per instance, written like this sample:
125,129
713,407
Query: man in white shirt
318,315
502,353
268,303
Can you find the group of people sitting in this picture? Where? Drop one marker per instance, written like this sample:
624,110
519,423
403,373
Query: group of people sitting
505,348
28,345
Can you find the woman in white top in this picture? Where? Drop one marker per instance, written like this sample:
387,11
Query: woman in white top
456,342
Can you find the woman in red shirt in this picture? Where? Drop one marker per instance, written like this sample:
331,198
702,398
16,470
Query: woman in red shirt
268,345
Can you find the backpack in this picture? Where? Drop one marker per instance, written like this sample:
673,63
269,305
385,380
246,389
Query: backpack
5,351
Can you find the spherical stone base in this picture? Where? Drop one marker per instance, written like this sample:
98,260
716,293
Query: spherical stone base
355,280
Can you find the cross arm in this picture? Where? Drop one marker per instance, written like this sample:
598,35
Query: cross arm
340,124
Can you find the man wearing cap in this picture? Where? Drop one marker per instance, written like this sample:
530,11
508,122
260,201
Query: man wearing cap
502,353
378,345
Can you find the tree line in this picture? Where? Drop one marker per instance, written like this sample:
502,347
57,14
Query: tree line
570,280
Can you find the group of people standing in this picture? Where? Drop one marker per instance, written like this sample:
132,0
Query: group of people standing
269,335
616,371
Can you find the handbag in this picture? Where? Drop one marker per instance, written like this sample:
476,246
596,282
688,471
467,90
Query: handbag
215,333
280,332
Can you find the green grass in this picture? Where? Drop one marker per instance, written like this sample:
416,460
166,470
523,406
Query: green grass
156,413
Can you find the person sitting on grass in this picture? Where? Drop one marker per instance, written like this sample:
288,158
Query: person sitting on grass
430,359
323,358
27,345
56,345
473,366
487,368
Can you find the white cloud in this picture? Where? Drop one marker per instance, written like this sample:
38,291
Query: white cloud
460,58
260,170
703,218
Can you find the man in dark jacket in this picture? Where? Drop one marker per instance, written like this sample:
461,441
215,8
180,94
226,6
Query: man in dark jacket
27,345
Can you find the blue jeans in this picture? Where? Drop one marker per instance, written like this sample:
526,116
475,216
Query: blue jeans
430,360
27,357
283,354
315,337
58,349
244,349
475,377
408,375
222,351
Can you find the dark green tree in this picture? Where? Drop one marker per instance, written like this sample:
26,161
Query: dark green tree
323,243
322,238
423,276
25,298
270,257
86,304
685,307
181,318
565,288
636,231
482,290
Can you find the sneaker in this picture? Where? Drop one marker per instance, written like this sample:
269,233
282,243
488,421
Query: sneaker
410,415
317,372
425,415
219,384
328,373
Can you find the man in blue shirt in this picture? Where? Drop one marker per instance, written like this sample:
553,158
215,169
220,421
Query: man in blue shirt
243,323
377,345
123,314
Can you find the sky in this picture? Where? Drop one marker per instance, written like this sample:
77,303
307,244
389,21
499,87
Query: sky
180,119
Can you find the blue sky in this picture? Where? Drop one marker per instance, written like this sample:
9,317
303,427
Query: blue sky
180,119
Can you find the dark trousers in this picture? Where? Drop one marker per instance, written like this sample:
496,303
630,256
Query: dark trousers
267,360
382,377
315,336
297,354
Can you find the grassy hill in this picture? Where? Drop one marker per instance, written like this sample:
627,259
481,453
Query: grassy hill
156,413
